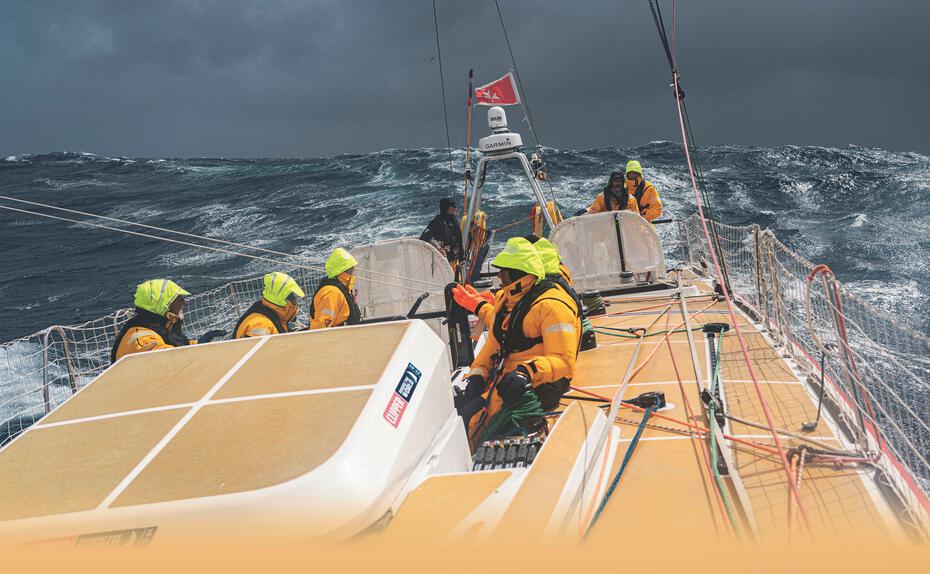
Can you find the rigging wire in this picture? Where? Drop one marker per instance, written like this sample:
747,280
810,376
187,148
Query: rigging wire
199,246
689,141
524,100
445,111
718,266
204,238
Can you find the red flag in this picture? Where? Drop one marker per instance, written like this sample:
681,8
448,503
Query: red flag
500,92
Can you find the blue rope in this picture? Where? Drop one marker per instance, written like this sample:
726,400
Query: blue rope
626,460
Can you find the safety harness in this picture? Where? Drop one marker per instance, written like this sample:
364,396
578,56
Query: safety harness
156,323
513,339
262,309
638,194
355,315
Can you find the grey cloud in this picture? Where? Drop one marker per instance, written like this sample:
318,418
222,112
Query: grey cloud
293,78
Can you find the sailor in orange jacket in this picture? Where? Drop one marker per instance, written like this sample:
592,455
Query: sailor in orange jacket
533,341
157,321
615,192
334,301
272,314
643,192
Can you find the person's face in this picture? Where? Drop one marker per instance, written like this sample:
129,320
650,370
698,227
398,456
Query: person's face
290,309
504,276
616,184
451,209
177,308
633,177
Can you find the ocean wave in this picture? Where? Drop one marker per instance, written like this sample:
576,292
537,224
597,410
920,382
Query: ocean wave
858,209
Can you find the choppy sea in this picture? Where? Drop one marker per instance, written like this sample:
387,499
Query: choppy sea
863,211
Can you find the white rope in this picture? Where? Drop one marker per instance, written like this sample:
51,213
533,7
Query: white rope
207,247
203,238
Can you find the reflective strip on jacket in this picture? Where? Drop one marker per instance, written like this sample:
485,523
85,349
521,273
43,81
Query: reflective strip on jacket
257,325
554,318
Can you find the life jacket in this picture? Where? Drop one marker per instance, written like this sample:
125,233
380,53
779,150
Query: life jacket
638,194
559,280
262,309
513,339
148,320
355,314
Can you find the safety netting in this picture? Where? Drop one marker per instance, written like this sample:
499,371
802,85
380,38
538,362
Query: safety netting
42,370
876,369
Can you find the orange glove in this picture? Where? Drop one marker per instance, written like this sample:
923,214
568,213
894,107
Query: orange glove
486,295
468,299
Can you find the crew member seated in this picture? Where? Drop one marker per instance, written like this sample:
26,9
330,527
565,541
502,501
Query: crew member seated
533,341
157,321
614,197
273,313
334,300
444,232
645,194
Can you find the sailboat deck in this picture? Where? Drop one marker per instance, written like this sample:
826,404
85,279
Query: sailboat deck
667,486
667,490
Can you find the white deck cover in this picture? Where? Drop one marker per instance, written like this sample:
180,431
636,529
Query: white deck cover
278,436
393,273
589,248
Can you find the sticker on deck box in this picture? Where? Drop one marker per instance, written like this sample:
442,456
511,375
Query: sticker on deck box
401,396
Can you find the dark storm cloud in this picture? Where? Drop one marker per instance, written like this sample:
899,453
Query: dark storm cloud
299,78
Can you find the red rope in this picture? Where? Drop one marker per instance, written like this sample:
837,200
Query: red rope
726,296
689,414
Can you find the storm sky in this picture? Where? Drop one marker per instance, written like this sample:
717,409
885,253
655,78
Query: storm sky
299,78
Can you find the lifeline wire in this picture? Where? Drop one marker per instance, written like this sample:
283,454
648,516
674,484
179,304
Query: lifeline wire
188,244
195,236
726,292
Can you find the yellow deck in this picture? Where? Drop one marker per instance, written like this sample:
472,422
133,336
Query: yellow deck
667,489
666,486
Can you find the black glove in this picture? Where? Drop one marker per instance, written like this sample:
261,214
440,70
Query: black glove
579,212
514,385
469,409
210,335
475,386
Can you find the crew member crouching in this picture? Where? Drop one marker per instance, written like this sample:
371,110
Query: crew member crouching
281,297
334,301
533,341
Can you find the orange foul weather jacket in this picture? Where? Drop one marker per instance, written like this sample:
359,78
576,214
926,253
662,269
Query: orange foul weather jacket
646,196
146,331
600,204
334,304
552,321
263,318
